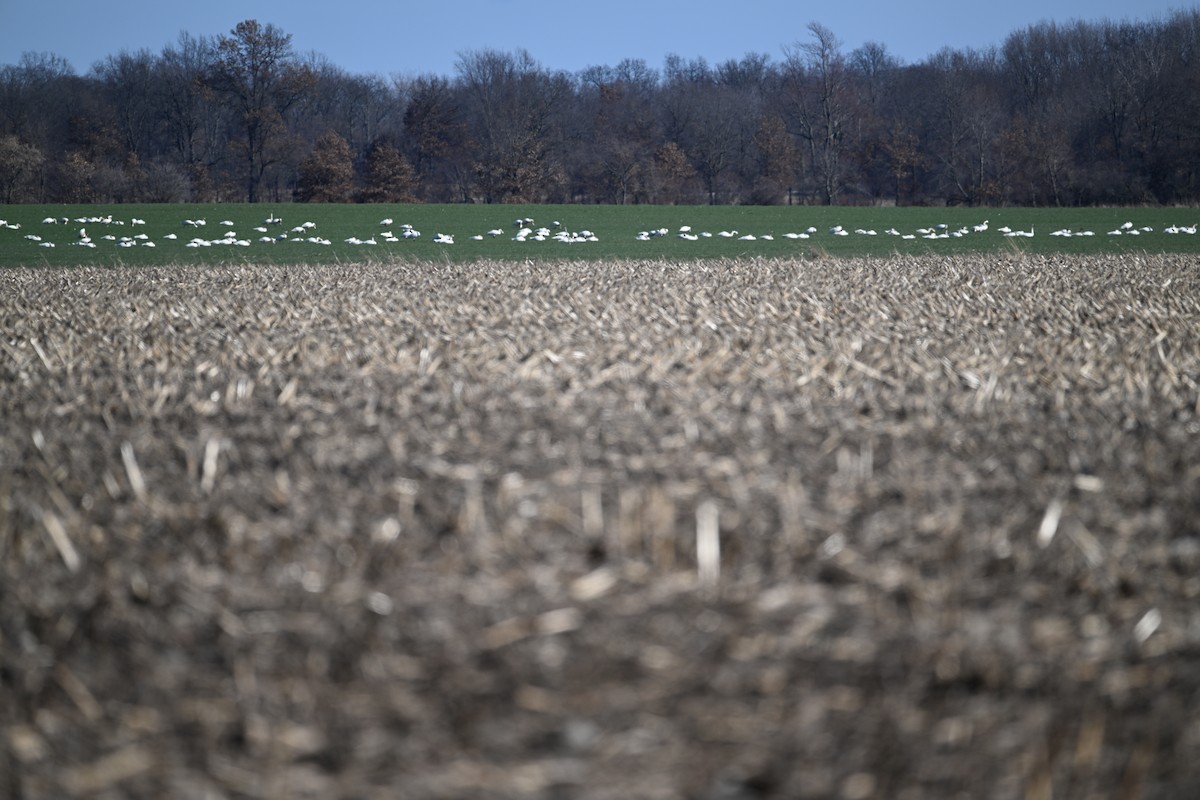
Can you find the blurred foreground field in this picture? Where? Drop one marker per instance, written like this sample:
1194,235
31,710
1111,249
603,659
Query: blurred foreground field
920,527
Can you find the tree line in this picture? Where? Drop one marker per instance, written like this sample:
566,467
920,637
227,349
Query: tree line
1076,114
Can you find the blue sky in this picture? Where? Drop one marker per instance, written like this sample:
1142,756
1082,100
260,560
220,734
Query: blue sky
396,37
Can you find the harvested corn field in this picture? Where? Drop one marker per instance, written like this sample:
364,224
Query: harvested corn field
895,528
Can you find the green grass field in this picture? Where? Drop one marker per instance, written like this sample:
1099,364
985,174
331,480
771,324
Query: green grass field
115,238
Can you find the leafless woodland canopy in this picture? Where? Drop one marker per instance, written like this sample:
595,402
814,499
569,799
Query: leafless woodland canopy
1088,113
917,528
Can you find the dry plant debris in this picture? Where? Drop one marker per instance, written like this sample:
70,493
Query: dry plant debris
904,528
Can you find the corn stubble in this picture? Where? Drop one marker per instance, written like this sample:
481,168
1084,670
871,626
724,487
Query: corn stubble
910,527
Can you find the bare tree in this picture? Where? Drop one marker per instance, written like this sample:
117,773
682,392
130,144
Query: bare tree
819,106
361,108
256,71
959,103
903,153
617,149
719,132
513,110
192,120
127,80
437,141
34,100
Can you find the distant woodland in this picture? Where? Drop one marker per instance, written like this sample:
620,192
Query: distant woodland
1081,114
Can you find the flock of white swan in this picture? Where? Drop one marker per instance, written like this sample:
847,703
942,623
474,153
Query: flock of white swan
939,231
272,230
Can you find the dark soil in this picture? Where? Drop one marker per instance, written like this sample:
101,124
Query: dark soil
446,531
